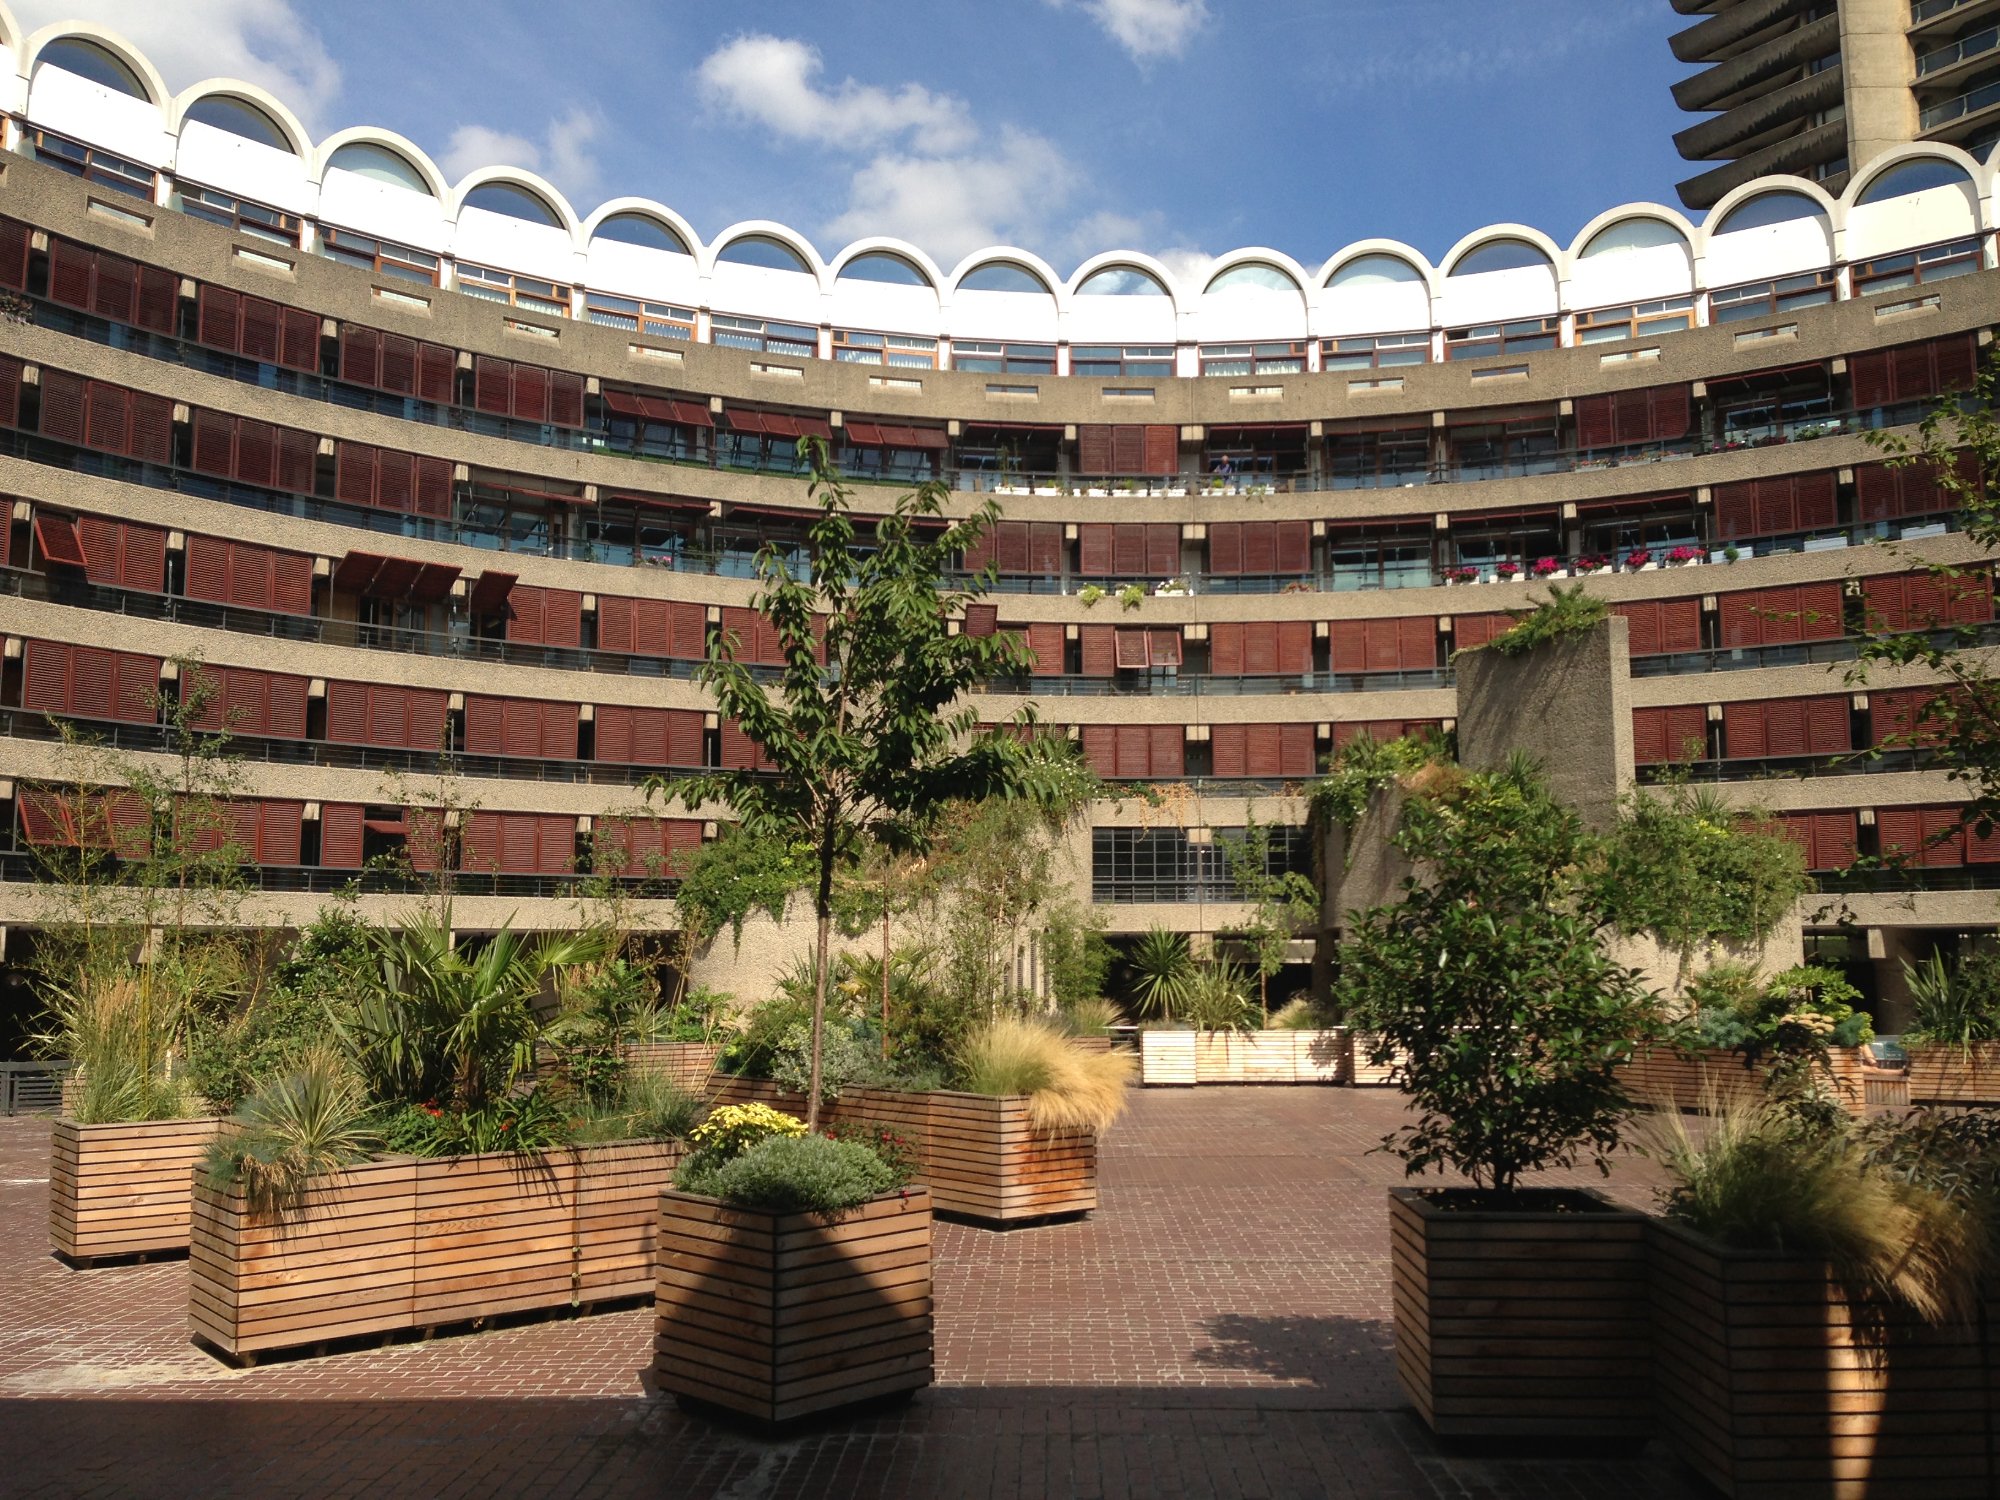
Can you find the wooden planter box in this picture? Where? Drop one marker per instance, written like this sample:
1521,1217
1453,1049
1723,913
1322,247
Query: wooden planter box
122,1189
1669,1080
783,1316
1366,1074
684,1064
977,1153
1955,1075
411,1243
1190,1057
1764,1391
1522,1323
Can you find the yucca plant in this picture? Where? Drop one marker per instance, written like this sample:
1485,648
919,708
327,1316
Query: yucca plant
1953,1005
1164,974
294,1128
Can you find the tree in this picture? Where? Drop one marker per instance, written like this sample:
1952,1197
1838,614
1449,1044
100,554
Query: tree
1960,720
875,742
1281,905
1491,976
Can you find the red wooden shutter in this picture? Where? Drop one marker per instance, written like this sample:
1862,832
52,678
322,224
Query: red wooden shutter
1163,551
1094,550
1045,547
1099,652
1225,548
982,621
1736,510
492,385
1829,726
1744,735
1298,751
1260,648
1128,549
1045,641
1128,449
90,682
1260,548
737,751
1468,631
11,372
1228,749
1165,646
1167,751
1093,449
1100,742
1347,646
340,835
1131,650
15,238
1295,647
124,554
1225,648
1294,540
545,617
1595,424
1162,448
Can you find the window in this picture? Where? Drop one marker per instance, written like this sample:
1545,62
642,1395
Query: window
661,319
1380,557
1253,359
383,257
1889,273
1121,361
1487,450
1618,531
1368,460
632,533
1003,359
512,201
379,164
238,117
1634,321
508,519
93,165
239,214
1375,351
1522,540
526,292
1524,337
761,336
1747,408
1759,299
1163,864
904,350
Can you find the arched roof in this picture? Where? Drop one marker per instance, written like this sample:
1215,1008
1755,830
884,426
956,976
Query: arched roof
149,77
521,179
1237,260
1414,258
644,208
1902,156
1626,213
262,100
1008,255
370,135
10,29
1764,187
1494,234
1127,260
892,249
765,229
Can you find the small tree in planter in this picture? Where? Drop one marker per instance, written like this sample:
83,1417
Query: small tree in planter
1491,978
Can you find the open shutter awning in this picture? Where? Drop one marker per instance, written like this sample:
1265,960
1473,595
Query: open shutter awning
59,541
490,591
403,578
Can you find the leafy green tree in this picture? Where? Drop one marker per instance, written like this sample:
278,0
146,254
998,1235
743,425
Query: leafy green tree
1282,904
1491,976
877,741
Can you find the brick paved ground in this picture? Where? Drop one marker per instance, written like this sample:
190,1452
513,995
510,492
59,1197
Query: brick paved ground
1219,1328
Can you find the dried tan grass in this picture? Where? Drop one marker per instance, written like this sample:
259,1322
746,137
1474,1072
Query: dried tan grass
1067,1088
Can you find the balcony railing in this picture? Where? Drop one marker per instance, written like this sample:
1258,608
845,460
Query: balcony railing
1959,51
23,866
1971,102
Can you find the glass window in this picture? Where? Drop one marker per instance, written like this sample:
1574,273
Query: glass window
762,336
1888,273
762,250
1527,336
1120,361
624,535
1616,533
1757,406
1375,270
1003,359
1371,460
1500,255
1767,209
1387,557
1253,359
1375,351
906,350
513,201
239,214
880,265
661,319
384,257
93,165
527,292
643,230
1121,281
1519,540
86,59
1488,450
1634,320
379,164
1758,299
239,117
1002,276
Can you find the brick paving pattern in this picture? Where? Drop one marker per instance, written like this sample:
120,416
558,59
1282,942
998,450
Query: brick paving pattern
1219,1328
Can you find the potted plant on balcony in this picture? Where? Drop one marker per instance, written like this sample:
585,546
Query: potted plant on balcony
1592,562
1507,571
794,1271
1639,559
1546,567
1684,556
1460,573
1518,1306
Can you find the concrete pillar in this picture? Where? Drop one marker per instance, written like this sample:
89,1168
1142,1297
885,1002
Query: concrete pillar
1878,69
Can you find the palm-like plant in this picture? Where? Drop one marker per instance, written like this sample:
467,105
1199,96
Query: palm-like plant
435,1023
1164,974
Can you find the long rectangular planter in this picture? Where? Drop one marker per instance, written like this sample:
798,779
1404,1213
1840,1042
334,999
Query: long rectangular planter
1364,1071
122,1189
687,1065
411,1243
1764,1389
978,1154
1670,1080
1192,1057
1955,1075
783,1316
1522,1323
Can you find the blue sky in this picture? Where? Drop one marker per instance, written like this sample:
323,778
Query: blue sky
1181,127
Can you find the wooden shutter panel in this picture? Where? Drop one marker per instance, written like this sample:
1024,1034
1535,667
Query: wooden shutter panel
1595,426
1298,754
687,626
219,317
1162,448
1295,647
1093,449
1829,726
738,751
62,406
1045,548
565,399
1094,549
1736,510
1099,652
485,726
1744,736
1225,648
982,621
1228,749
614,733
1128,549
1872,382
1165,646
1163,551
1008,546
1347,646
492,385
347,712
1166,750
614,623
1100,743
1260,648
1131,650
1045,641
1294,547
1416,644
11,372
340,835
124,554
1128,449
1260,548
1816,501
1225,548
545,617
15,238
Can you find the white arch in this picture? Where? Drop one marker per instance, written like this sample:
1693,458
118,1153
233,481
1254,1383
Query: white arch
764,229
645,208
149,77
1647,274
1678,222
1256,255
1761,187
1859,182
289,124
1402,307
1394,249
401,145
531,183
879,244
1132,260
1495,232
1783,249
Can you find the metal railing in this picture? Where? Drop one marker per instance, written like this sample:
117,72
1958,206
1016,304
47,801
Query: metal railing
32,1088
25,867
1970,102
1781,767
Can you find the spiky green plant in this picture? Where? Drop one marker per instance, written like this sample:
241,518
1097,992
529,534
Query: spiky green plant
293,1129
1163,972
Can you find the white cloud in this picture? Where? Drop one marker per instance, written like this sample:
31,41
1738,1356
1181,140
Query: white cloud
773,81
1147,28
265,42
562,155
955,204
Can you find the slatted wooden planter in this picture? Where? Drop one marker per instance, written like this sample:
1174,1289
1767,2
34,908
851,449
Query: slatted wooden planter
119,1190
1188,1057
684,1064
408,1244
1955,1075
1522,1323
978,1154
1762,1387
783,1316
1363,1071
1665,1079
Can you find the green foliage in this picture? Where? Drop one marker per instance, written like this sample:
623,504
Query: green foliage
1954,1004
1762,1176
897,1150
1219,999
1075,955
1692,870
1164,973
1088,1017
659,1109
741,872
733,1129
1566,613
1491,975
700,1014
295,1127
846,1061
1301,1013
806,1174
121,1031
1362,767
526,1121
264,1039
1791,1019
1282,904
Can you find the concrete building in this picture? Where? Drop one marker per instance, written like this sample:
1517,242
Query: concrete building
450,483
1817,88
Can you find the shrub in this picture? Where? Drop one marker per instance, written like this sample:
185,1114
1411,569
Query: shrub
1566,613
529,1121
1067,1089
1218,999
751,1054
1092,1016
294,1128
1164,973
734,1128
1301,1013
648,1108
1362,767
1954,1005
121,1031
791,1174
846,1061
897,1150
